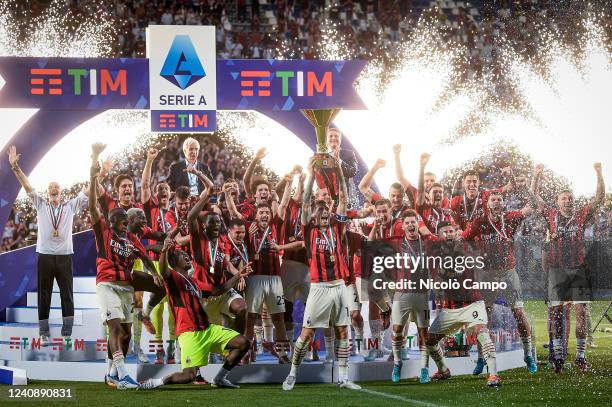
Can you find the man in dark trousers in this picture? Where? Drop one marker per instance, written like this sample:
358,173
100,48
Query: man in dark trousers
185,173
54,248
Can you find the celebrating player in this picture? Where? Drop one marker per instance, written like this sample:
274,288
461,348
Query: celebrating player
494,232
196,335
458,308
115,280
328,269
567,275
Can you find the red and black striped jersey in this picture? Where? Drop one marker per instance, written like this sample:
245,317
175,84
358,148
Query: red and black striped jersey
156,219
116,254
566,247
453,298
208,261
355,242
291,231
433,216
326,252
266,262
238,252
467,211
495,238
184,299
418,248
172,217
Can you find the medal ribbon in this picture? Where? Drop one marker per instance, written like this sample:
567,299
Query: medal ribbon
331,240
564,227
263,239
503,227
473,208
244,254
56,215
213,255
406,243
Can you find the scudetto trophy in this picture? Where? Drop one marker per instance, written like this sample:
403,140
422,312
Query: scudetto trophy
324,165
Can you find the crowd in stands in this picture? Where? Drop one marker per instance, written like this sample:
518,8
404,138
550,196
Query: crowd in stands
294,29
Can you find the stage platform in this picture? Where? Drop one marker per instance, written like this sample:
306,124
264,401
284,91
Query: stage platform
265,370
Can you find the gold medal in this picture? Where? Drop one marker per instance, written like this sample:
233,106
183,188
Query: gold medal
256,256
55,233
332,258
292,239
211,270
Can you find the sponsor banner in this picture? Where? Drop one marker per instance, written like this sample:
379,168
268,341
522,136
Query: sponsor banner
182,74
123,83
74,83
183,121
277,85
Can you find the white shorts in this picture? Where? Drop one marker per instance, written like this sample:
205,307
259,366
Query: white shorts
512,294
352,298
218,306
450,321
296,280
264,290
116,301
326,304
410,307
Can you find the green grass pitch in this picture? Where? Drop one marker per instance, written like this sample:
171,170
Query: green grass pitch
519,387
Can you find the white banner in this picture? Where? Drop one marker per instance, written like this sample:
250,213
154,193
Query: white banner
182,72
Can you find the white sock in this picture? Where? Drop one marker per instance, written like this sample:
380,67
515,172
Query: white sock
118,361
221,374
526,345
397,339
299,351
343,359
557,349
435,352
258,333
158,382
137,330
580,347
488,351
424,357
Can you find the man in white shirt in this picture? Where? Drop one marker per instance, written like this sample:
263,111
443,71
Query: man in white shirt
54,248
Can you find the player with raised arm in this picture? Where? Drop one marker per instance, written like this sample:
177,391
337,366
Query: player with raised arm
494,232
264,286
212,265
117,249
197,337
156,207
430,204
567,275
326,301
458,307
429,178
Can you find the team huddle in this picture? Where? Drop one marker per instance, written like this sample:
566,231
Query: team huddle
229,268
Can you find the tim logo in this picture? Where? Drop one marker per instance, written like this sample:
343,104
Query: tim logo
182,66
